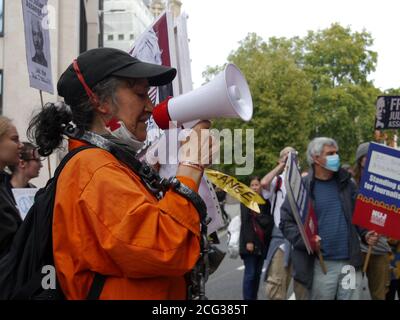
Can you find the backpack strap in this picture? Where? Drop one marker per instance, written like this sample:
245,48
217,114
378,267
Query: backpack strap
68,157
97,287
29,289
98,281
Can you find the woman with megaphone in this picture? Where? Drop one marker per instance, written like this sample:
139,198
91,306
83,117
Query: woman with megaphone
112,215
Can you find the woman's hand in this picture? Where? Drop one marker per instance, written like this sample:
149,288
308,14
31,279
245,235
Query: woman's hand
372,238
197,151
200,146
250,246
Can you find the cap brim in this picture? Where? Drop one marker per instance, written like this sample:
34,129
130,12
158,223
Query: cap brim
156,75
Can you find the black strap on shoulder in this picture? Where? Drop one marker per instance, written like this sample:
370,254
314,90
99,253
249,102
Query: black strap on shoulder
98,281
68,157
96,287
29,289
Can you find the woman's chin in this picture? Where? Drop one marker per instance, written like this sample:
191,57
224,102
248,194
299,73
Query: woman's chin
141,132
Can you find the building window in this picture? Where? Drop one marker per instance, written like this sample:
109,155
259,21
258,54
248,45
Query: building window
120,37
110,37
1,18
1,91
132,36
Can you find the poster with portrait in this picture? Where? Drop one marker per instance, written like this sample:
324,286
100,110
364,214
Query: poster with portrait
378,202
37,44
387,112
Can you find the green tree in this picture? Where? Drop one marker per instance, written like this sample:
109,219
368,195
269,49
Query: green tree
390,134
338,62
306,87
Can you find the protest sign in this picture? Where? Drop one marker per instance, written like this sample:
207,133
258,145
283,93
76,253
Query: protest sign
37,44
236,189
207,193
378,202
156,45
387,112
24,197
300,203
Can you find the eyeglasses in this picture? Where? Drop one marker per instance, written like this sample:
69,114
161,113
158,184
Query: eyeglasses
31,155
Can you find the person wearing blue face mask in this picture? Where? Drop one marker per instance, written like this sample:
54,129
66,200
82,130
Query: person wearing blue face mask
333,195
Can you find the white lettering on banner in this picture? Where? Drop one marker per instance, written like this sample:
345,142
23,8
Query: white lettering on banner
368,186
384,165
378,218
395,104
383,182
394,115
387,193
394,124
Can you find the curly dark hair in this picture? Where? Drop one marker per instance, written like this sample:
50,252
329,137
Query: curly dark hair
46,128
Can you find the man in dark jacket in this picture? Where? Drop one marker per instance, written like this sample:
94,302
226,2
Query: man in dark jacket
333,195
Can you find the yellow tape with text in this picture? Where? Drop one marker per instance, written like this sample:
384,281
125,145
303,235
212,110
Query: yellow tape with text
236,189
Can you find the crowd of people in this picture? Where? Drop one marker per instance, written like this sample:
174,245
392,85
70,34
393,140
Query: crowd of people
332,190
145,240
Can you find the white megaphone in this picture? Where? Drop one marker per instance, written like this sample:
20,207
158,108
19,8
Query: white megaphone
226,96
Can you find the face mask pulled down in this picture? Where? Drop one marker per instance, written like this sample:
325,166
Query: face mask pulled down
123,134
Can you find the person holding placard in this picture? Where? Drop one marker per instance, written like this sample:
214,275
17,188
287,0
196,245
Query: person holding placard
278,261
333,195
377,269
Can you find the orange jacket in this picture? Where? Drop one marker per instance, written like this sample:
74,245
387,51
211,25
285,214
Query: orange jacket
106,221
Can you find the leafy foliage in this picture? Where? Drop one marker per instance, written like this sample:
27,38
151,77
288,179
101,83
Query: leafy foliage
306,87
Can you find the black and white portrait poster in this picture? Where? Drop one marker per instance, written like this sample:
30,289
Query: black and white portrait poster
37,44
387,112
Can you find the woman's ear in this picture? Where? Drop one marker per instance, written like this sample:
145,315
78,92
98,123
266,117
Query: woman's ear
104,108
22,163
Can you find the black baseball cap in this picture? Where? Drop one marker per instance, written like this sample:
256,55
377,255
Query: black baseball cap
97,64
